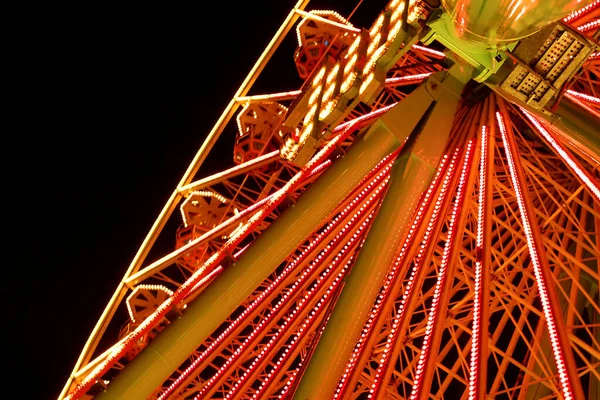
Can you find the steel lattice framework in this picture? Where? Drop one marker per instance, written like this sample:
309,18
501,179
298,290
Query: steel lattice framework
378,268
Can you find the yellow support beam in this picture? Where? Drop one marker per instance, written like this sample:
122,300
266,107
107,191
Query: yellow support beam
202,316
433,105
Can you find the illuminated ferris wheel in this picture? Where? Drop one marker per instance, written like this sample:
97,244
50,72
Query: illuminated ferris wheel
421,219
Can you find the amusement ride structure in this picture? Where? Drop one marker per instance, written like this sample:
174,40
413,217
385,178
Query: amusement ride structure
419,220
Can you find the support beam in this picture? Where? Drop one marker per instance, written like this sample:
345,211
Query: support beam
410,177
222,176
171,348
563,354
483,264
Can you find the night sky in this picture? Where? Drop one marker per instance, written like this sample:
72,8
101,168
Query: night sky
116,102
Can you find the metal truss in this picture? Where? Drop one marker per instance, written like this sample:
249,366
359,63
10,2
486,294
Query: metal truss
492,291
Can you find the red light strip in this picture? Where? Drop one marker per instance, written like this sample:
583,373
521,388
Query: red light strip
549,313
589,26
427,50
585,97
306,325
440,286
284,394
302,304
291,379
271,157
212,274
381,374
204,281
276,284
358,122
476,335
581,173
282,302
390,280
308,321
219,255
319,168
582,11
408,79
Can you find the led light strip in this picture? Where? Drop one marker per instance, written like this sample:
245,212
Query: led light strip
299,308
440,286
389,281
219,255
582,11
407,79
307,324
476,335
566,157
557,350
585,97
398,321
589,26
427,50
276,284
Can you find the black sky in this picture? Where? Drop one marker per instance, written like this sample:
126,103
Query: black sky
114,103
118,101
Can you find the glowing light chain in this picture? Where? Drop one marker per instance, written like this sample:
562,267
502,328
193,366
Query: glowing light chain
243,114
305,326
557,350
474,373
192,199
570,161
576,147
582,11
341,21
390,279
299,308
158,288
287,386
292,318
407,79
204,281
183,290
275,285
323,166
360,75
589,26
585,97
207,236
594,56
208,278
392,337
358,122
427,50
441,276
282,302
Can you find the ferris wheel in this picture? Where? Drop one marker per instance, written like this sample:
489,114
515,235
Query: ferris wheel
420,219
